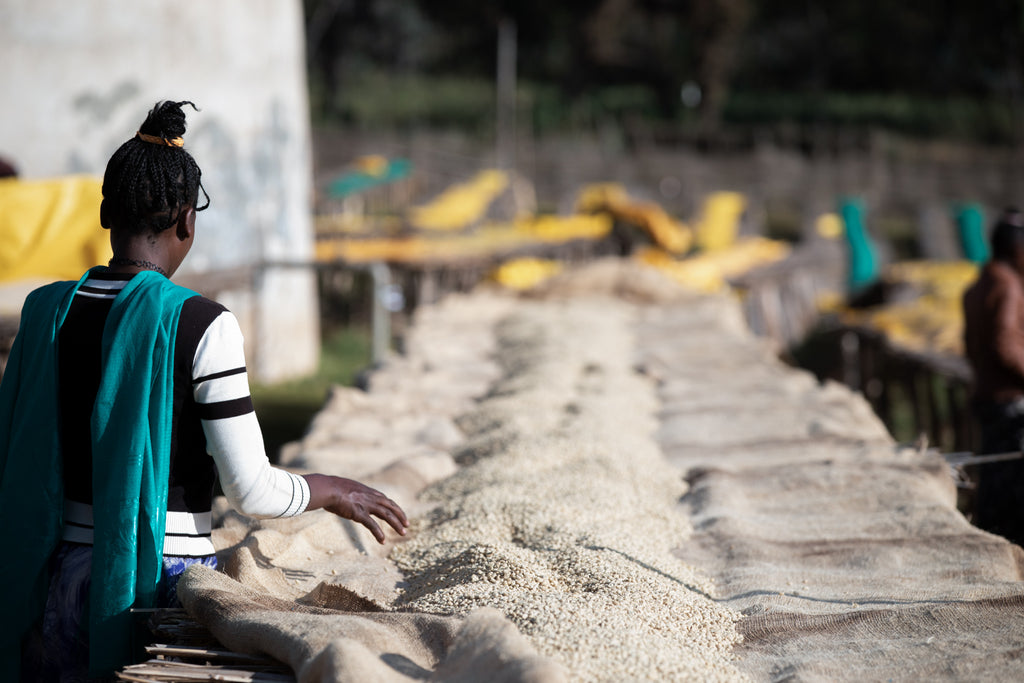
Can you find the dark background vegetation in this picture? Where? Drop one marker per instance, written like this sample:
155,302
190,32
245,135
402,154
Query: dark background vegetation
939,68
853,96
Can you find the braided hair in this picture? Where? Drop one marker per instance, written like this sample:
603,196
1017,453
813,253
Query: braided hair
148,184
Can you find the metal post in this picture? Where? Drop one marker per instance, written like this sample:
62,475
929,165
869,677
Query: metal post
381,314
849,343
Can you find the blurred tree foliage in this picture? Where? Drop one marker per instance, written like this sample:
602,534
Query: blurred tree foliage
934,67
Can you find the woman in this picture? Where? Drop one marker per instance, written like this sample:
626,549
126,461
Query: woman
125,396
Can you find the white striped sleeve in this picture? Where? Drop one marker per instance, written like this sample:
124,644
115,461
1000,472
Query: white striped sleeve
220,386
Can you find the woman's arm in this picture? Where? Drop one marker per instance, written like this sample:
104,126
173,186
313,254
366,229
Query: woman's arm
233,438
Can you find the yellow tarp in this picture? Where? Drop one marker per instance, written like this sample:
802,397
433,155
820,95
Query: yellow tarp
525,273
51,228
612,198
461,205
932,321
719,223
710,271
489,240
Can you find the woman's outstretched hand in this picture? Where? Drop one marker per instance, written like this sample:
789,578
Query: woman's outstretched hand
351,500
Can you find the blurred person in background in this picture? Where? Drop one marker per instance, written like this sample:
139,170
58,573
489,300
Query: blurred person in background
994,344
124,399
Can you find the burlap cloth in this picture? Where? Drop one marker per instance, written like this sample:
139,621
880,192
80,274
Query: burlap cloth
845,552
347,638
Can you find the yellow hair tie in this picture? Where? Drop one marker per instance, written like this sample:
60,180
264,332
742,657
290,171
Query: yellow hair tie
156,140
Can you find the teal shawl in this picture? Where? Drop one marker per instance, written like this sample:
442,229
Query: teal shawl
131,433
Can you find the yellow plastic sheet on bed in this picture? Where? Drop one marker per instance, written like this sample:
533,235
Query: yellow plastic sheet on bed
50,228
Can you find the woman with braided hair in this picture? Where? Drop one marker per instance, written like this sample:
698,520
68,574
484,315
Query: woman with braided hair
124,399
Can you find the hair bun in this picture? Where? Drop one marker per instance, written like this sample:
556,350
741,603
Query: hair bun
166,119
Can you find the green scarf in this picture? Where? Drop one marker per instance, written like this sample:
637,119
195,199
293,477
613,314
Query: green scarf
131,433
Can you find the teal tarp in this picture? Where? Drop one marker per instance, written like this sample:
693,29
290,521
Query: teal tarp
355,182
863,259
970,224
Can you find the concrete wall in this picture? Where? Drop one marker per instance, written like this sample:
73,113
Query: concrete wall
78,79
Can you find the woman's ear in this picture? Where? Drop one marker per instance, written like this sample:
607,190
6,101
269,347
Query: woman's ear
104,215
186,226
